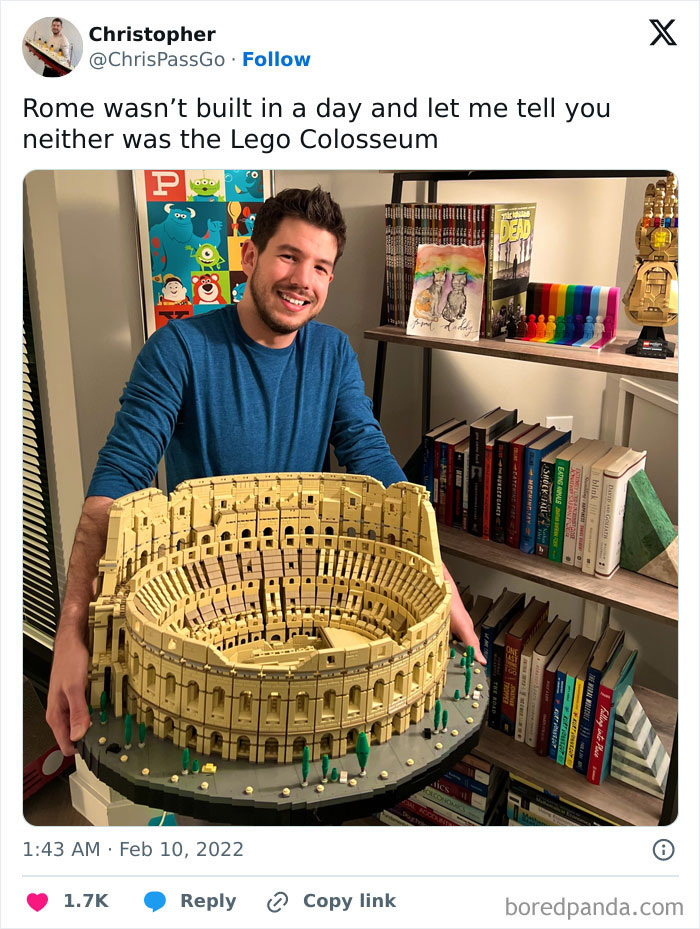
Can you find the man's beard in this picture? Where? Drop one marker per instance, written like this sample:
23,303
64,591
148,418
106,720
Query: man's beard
275,325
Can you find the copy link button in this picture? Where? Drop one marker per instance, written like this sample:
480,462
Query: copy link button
277,901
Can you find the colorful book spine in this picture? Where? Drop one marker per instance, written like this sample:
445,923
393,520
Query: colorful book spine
451,806
602,739
588,708
531,489
544,725
559,495
574,727
450,789
544,508
467,784
568,551
565,721
557,702
426,813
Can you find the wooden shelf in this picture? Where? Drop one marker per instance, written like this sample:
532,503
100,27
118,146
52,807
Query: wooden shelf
612,798
626,590
611,360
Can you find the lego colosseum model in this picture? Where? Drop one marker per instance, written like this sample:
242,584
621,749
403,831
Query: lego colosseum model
247,617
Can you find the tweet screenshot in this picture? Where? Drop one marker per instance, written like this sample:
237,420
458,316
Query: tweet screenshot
349,464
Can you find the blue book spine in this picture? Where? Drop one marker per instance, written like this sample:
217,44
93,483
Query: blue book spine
468,783
585,727
531,492
559,685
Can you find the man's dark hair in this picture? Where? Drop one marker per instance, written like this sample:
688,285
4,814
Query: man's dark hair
313,206
56,19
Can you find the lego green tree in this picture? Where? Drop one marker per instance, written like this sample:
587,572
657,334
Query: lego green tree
436,716
325,764
142,734
103,700
195,766
305,759
128,726
444,720
185,760
362,752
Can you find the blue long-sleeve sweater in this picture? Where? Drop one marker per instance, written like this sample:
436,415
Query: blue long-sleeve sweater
212,400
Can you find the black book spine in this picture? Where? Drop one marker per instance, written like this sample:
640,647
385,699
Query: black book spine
500,492
477,456
496,685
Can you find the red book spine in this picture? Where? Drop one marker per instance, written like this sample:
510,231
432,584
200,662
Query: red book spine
515,496
426,812
509,687
488,484
457,791
469,770
600,734
542,746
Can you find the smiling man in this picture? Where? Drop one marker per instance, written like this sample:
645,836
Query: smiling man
257,387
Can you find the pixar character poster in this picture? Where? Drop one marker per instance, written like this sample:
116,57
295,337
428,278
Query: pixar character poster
192,225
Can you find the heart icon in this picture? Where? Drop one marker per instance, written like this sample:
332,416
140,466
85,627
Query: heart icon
37,901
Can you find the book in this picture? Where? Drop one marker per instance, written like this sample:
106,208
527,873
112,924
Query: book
451,807
509,234
595,490
436,813
534,453
608,646
451,796
574,664
544,502
549,800
447,293
429,454
505,607
389,818
515,483
578,467
525,681
545,649
446,483
461,481
576,705
613,684
529,621
498,660
612,510
501,468
559,497
584,497
544,725
483,431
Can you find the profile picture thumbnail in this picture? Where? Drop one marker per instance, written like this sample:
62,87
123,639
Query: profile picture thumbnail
52,47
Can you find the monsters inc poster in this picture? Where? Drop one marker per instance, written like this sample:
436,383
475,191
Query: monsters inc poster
192,225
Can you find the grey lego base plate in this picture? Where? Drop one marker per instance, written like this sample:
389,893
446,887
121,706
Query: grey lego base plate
225,799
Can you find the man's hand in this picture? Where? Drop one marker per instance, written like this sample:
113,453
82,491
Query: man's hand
460,621
67,711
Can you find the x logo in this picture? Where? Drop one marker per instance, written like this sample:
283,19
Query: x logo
663,32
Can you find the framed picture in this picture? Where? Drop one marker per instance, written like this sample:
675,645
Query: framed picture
192,224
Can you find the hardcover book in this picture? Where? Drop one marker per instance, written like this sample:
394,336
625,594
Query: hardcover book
529,621
576,659
534,453
595,491
613,684
612,510
484,430
544,726
556,633
429,454
515,482
559,497
501,467
498,660
576,503
607,648
525,681
505,608
446,484
544,502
